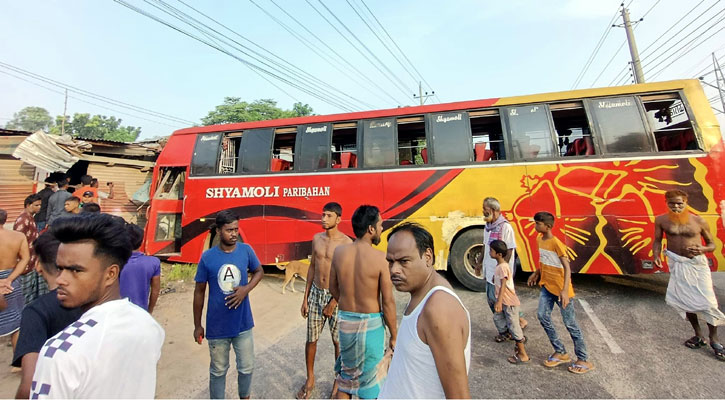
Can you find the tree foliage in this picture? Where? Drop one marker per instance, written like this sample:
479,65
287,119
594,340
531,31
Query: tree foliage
31,119
235,110
85,126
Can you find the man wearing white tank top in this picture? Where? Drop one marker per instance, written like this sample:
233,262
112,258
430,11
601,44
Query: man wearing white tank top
433,347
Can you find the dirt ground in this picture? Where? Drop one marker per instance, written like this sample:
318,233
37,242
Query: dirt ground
183,371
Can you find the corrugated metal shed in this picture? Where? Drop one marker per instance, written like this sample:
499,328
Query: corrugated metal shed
16,183
127,180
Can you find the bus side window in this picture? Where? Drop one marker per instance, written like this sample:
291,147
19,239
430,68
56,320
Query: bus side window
412,145
450,135
312,147
344,145
530,131
619,122
171,183
487,136
254,153
379,143
573,134
669,120
283,150
228,153
205,156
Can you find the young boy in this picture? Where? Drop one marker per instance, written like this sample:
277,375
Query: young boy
554,277
507,301
72,206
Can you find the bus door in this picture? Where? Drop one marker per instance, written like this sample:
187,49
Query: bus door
163,233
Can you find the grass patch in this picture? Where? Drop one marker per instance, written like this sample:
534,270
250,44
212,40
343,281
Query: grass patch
177,272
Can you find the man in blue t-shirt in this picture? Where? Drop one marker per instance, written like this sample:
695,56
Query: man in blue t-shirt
229,322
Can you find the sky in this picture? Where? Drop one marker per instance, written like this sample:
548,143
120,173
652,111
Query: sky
462,49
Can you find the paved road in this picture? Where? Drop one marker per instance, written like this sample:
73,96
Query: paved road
653,362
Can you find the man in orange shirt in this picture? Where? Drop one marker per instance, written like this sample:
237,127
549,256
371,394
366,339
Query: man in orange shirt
86,182
554,277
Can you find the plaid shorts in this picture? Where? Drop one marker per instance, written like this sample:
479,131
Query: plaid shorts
316,302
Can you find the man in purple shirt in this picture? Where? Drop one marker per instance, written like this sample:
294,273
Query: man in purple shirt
140,274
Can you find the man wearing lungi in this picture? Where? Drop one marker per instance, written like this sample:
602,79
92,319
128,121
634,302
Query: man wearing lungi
14,257
690,289
359,278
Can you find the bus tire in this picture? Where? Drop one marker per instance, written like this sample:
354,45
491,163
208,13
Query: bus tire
465,249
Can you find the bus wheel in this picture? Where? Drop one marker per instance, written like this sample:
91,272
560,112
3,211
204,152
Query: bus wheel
465,252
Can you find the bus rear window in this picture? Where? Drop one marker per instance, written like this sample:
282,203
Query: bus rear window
379,142
204,159
530,131
451,137
620,124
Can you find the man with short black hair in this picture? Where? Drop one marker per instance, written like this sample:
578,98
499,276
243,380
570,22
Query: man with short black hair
42,318
42,216
433,350
360,282
72,206
86,187
33,285
56,202
140,273
225,268
114,347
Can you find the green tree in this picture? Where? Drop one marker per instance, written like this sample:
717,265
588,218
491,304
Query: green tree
85,126
31,119
236,110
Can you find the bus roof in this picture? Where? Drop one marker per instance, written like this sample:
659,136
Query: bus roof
443,107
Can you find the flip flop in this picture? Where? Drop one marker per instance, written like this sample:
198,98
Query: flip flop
552,361
304,393
580,368
514,359
719,351
695,342
502,337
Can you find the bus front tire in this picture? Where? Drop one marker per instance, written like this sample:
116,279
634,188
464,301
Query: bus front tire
466,250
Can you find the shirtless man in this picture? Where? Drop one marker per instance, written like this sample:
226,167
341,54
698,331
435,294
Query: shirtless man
14,257
318,306
359,279
690,288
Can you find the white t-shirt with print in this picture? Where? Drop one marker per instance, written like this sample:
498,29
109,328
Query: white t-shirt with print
508,237
110,352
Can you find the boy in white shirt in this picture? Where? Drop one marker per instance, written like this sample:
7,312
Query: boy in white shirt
113,348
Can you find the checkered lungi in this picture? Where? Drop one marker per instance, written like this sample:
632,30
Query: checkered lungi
10,316
316,302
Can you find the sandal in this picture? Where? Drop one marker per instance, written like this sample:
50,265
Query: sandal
502,337
719,351
695,342
304,392
581,368
515,359
555,360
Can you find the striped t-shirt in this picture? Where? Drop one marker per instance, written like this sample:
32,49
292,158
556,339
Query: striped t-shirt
552,270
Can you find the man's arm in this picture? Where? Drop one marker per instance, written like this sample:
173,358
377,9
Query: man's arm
567,281
199,292
308,284
6,285
707,236
334,290
155,290
28,369
389,313
499,300
657,244
444,327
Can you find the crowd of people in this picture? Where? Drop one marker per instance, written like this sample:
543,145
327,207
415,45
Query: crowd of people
92,294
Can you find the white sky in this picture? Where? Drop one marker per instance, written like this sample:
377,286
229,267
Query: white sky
466,49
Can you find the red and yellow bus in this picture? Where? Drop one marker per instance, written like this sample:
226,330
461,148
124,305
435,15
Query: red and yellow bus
598,159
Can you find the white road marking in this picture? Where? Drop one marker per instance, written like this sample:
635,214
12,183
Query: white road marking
608,339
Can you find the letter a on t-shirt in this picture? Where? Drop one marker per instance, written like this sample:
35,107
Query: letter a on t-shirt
228,278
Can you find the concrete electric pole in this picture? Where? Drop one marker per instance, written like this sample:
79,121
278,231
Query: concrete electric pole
421,96
636,64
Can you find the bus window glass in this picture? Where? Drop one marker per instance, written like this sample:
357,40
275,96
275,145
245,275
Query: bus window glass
573,135
204,160
171,183
168,227
254,154
530,131
619,122
450,137
487,136
379,142
669,120
228,154
344,145
412,146
283,156
313,147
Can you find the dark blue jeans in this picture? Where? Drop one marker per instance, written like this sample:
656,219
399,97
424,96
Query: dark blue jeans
546,304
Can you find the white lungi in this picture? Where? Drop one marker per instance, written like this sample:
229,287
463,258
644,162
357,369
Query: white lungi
690,288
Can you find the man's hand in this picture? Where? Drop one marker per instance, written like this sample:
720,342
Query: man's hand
6,286
236,298
695,250
198,334
305,308
498,307
391,343
329,309
533,279
658,262
564,298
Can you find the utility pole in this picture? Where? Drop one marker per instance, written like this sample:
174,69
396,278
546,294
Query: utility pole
65,107
421,96
719,77
636,64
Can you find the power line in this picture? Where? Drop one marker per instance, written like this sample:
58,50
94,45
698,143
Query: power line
95,96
